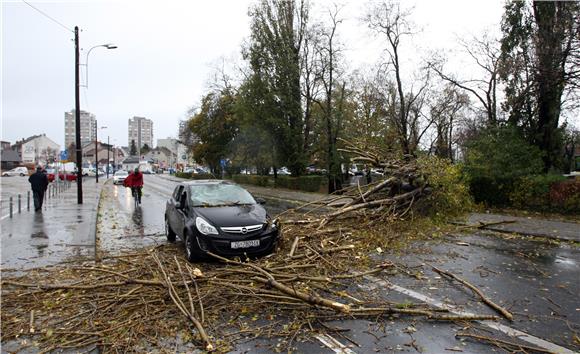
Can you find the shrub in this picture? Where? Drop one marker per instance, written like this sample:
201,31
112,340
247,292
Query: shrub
310,183
183,175
565,196
190,175
495,160
449,192
547,193
262,181
533,192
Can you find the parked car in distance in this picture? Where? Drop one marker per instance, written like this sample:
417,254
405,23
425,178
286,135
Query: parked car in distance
69,176
220,217
17,171
91,172
50,174
119,177
283,171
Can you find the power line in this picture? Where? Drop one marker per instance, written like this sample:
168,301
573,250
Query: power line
48,16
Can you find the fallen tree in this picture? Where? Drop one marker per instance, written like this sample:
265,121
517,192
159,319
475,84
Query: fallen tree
139,301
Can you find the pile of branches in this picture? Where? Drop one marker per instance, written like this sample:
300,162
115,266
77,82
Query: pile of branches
402,185
145,300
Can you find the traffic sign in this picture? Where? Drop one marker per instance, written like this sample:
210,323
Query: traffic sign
64,155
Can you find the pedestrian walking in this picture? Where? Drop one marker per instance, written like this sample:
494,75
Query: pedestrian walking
39,183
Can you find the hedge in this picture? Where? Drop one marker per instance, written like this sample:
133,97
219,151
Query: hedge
190,175
546,193
262,181
303,183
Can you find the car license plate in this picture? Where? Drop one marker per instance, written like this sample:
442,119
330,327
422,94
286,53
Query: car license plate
245,244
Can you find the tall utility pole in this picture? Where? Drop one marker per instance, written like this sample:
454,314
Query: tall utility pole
78,146
96,153
108,161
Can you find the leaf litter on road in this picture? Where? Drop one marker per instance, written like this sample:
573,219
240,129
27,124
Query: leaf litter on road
138,300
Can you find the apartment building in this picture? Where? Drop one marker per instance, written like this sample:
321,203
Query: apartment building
88,125
141,131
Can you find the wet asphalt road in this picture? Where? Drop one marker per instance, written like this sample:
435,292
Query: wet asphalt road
539,283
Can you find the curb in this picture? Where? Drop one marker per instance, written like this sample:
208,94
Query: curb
95,221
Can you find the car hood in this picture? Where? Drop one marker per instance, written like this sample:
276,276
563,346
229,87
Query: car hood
229,216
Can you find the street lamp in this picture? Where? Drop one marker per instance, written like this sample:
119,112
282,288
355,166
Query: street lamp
78,148
108,46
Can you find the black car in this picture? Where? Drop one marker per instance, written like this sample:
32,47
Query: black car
220,217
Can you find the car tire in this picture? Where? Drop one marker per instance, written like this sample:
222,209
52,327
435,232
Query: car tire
192,250
22,175
169,232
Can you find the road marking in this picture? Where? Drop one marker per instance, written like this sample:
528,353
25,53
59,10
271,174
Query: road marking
541,343
333,344
5,216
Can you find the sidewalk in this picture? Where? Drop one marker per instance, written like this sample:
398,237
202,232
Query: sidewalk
63,229
563,230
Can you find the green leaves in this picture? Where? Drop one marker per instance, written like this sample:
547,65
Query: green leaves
216,126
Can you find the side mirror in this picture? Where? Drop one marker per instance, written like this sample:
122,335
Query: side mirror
261,201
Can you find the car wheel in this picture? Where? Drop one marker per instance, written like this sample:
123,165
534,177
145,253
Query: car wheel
22,175
191,247
169,232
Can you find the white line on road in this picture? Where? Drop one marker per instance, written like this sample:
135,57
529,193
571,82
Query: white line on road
554,348
333,344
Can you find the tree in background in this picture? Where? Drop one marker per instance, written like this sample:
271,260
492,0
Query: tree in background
215,125
133,148
145,149
541,54
277,32
446,110
485,54
328,54
389,20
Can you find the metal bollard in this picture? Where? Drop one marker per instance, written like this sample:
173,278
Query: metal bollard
28,200
19,203
10,206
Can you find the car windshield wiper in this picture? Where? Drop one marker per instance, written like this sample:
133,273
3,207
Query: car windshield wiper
237,202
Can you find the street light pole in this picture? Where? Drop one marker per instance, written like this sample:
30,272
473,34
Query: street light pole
96,153
108,46
78,122
108,159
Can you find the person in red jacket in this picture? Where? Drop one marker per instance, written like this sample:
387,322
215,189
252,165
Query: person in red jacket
135,182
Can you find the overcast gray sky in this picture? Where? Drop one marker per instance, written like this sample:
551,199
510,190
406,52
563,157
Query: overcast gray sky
166,53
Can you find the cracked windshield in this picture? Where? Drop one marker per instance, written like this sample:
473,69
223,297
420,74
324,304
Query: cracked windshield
290,176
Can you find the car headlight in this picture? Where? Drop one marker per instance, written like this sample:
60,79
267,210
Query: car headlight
205,227
273,224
